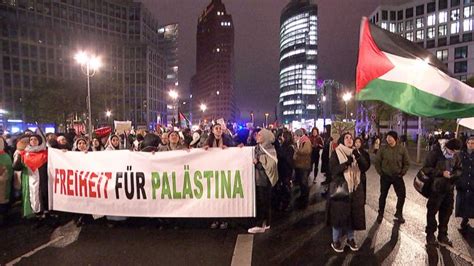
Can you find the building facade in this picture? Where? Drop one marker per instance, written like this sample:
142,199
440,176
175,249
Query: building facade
168,42
39,38
444,27
299,98
213,83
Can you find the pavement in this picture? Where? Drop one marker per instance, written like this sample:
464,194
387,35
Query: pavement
297,238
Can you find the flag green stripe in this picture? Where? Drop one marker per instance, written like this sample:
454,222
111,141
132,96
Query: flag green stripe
411,100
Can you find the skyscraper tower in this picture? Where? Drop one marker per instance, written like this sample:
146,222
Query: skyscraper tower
213,83
298,62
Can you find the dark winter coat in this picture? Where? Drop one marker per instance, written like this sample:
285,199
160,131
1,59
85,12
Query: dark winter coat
434,166
465,187
349,212
227,140
286,164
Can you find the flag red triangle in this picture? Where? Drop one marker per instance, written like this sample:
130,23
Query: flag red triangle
372,62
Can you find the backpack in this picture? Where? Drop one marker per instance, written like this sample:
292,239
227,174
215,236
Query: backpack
422,183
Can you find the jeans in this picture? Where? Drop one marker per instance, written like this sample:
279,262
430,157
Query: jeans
301,179
338,233
441,204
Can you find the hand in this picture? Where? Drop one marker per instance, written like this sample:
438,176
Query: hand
447,174
240,145
85,152
188,150
153,153
63,150
224,147
255,161
206,147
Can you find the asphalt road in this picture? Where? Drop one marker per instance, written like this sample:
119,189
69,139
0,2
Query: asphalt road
297,238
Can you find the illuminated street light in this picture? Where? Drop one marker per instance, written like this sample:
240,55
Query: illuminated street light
266,119
174,95
346,97
90,64
203,107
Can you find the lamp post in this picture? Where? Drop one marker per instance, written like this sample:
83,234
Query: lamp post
203,108
266,119
324,111
251,117
108,113
174,96
89,65
346,97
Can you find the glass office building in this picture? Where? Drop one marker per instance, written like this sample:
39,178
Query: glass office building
298,62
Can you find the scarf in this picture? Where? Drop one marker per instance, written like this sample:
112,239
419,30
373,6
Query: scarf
352,173
218,143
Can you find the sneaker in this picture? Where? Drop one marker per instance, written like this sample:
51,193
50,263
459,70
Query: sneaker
214,225
444,241
431,240
256,230
224,225
399,218
337,247
352,245
379,218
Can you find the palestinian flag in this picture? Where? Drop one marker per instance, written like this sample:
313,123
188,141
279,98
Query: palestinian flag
183,121
398,72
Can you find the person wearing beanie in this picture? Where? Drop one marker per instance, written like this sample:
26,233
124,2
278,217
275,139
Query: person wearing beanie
443,166
465,186
302,161
392,163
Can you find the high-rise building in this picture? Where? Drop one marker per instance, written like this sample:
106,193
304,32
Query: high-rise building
299,98
443,27
168,42
38,40
213,83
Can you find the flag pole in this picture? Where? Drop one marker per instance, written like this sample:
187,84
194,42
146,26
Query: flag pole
418,145
457,128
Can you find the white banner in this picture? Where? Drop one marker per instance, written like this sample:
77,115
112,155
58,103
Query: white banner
195,183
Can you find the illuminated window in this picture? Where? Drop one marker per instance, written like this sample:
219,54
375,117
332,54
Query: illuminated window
468,11
392,27
442,30
409,36
409,25
455,27
455,14
420,23
467,25
442,54
420,35
384,25
431,33
431,20
443,17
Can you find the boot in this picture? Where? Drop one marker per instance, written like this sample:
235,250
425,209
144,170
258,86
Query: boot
444,240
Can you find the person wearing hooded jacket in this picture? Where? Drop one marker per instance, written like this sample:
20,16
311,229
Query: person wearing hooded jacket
81,144
6,177
266,176
443,166
347,214
174,143
33,161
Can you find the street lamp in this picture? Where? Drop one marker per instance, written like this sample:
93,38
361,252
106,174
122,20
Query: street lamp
324,110
174,95
266,119
108,113
346,97
90,64
203,107
251,117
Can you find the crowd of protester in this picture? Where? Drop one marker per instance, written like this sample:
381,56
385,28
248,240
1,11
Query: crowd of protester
284,161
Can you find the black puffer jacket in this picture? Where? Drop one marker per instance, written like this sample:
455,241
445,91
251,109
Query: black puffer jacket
286,164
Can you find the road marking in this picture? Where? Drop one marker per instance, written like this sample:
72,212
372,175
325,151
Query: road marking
26,255
243,250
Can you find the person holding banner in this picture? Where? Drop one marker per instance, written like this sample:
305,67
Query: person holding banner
32,161
97,144
81,144
218,140
113,143
266,176
174,143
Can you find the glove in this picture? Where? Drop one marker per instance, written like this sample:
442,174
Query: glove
349,160
356,153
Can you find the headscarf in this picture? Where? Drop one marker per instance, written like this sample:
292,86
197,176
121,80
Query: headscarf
75,148
109,146
37,156
269,159
352,173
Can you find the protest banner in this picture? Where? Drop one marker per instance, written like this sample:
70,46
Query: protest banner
122,126
195,183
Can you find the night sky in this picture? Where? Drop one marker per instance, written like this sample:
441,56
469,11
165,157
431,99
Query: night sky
256,44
